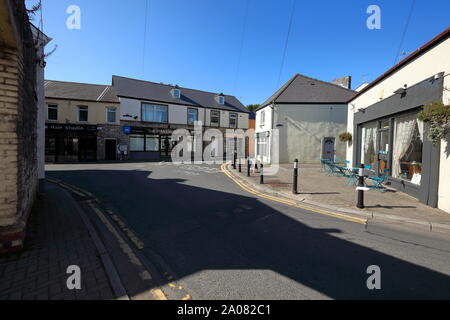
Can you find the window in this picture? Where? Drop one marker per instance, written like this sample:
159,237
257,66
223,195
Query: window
52,112
111,115
83,114
263,118
233,120
262,142
137,142
176,93
192,116
151,143
215,118
221,100
368,145
407,152
154,113
143,143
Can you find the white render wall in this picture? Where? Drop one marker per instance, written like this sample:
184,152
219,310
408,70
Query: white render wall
178,113
427,65
264,127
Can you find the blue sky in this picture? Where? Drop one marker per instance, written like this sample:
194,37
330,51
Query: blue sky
201,44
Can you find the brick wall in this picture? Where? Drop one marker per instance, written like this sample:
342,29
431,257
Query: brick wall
18,114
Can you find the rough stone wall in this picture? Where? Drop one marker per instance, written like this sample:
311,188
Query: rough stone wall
110,132
18,114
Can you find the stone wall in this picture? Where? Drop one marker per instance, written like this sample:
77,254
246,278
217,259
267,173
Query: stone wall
110,132
18,113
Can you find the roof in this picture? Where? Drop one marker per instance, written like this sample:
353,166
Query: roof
427,46
80,91
152,91
303,89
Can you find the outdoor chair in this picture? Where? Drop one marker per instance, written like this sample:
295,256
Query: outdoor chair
378,181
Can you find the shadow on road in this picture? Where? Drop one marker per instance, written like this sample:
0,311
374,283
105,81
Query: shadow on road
197,229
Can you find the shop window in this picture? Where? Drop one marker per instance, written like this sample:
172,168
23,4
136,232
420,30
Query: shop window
233,120
137,143
52,112
408,145
151,143
192,116
154,113
83,114
368,144
215,118
111,115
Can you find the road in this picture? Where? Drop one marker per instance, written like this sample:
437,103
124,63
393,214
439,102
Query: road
220,242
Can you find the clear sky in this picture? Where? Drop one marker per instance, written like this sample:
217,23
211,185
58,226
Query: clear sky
233,46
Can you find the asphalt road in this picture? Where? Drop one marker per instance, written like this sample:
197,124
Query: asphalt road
220,242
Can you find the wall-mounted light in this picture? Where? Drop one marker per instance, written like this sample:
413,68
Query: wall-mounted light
362,110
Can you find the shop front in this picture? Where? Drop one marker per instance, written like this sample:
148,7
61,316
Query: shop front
393,142
150,143
66,143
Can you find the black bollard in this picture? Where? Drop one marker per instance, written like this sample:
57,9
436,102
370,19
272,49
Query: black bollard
240,162
248,167
261,176
234,160
360,203
295,179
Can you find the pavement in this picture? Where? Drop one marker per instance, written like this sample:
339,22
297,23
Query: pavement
203,236
64,230
319,190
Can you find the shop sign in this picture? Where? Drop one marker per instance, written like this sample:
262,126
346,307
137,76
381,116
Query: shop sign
70,127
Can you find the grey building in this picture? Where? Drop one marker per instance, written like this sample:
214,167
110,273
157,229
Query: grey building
309,115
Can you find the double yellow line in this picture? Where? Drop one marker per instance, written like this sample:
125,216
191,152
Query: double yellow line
288,202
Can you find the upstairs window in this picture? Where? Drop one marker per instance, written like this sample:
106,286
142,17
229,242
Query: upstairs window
233,120
215,118
154,113
263,118
221,100
176,93
192,116
111,115
52,112
83,113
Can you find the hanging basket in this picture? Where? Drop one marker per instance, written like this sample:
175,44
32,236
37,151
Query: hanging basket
345,137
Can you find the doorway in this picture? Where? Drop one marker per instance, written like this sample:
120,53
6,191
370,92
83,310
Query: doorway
328,148
383,147
110,149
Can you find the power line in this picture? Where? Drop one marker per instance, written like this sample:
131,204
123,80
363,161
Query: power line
286,41
145,37
397,56
244,29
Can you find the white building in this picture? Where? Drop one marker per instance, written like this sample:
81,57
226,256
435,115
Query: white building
386,133
308,115
150,112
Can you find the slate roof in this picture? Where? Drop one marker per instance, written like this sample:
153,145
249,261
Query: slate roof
152,91
80,91
302,89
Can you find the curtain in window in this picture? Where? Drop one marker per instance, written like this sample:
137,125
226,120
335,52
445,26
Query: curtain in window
403,136
421,128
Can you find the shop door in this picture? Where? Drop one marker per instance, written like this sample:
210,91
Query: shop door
383,148
165,146
110,150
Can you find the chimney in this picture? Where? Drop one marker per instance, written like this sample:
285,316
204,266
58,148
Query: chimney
345,82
